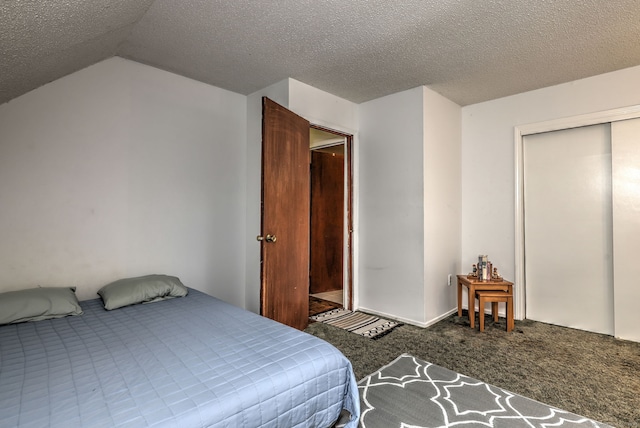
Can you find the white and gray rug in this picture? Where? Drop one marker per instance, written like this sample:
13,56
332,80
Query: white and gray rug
356,322
409,392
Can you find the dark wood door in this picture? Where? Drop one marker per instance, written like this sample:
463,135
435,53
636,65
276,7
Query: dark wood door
327,222
284,272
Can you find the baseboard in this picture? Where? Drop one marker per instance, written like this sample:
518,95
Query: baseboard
407,320
441,317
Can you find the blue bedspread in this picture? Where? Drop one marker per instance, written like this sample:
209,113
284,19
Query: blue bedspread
187,362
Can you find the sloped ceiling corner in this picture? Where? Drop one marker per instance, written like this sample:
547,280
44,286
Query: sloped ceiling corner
42,41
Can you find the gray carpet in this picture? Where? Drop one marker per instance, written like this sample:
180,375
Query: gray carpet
585,373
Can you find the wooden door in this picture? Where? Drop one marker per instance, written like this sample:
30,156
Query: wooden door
327,222
284,293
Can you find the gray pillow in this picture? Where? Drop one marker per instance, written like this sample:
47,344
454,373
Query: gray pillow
35,304
143,289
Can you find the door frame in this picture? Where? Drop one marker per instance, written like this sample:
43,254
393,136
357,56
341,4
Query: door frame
606,116
348,253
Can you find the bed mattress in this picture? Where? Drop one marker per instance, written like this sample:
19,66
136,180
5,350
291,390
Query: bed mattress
193,361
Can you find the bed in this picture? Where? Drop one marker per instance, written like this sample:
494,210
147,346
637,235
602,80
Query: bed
192,361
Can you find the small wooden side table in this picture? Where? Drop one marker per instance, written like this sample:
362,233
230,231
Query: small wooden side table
473,285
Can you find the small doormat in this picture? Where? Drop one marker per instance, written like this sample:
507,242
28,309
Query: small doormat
318,306
411,392
357,322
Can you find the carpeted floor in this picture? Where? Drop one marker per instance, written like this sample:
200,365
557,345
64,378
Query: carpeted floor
589,374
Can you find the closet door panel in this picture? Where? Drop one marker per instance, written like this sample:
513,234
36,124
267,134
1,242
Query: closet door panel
625,148
568,228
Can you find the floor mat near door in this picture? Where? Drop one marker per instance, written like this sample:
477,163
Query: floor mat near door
359,323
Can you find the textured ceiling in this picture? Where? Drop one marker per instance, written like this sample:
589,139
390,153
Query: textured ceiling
467,50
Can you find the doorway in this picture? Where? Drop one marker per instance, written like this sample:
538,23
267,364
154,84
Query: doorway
285,215
330,231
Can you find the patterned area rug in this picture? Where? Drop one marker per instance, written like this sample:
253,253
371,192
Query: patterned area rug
357,322
413,393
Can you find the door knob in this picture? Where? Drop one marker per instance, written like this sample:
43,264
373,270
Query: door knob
268,238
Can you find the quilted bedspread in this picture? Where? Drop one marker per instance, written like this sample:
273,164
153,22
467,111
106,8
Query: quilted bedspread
187,362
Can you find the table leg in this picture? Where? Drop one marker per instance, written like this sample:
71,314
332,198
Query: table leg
472,305
510,322
480,313
459,298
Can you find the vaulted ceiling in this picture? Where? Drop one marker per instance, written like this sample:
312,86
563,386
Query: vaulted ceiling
467,50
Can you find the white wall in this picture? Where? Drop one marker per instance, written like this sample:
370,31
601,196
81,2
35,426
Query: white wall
488,163
442,203
120,170
322,108
391,195
319,108
410,201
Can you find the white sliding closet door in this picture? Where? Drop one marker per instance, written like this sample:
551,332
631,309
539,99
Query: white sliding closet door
626,226
568,228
